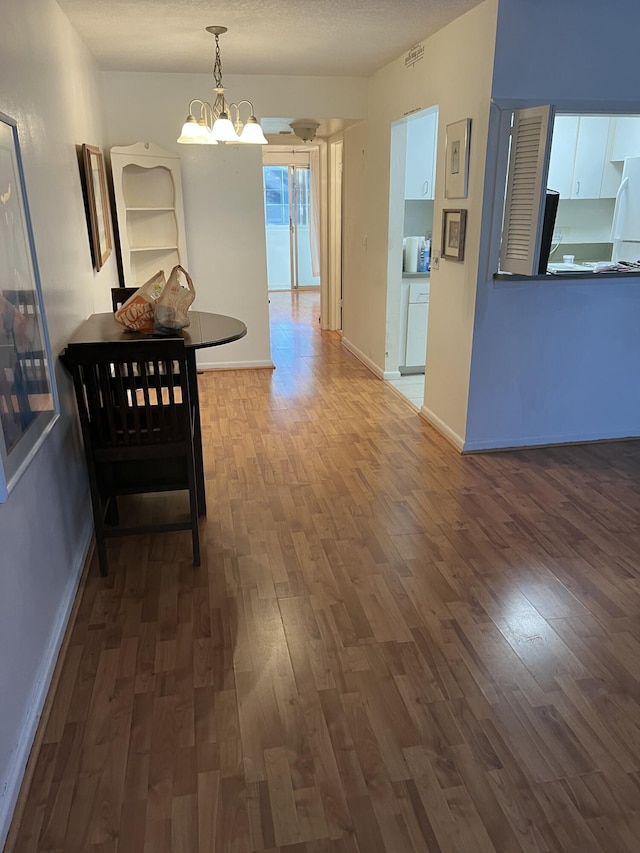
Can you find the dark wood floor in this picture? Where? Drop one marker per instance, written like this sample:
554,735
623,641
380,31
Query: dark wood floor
388,646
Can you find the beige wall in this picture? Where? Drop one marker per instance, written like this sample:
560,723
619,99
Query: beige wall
50,87
455,74
355,310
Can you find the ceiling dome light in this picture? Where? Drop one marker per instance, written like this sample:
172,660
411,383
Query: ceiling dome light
305,128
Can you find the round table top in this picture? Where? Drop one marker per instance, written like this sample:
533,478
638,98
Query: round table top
204,330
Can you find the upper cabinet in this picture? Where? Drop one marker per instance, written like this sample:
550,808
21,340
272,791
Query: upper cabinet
148,194
421,156
591,149
578,153
563,154
626,138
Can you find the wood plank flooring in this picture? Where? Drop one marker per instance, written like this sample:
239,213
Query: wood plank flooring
388,646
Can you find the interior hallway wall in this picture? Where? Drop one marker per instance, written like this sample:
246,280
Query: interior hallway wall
454,74
222,185
50,87
557,361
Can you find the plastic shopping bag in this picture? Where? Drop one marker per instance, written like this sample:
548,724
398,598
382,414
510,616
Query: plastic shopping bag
172,306
137,313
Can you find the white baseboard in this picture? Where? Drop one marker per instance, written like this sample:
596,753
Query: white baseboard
443,428
234,365
391,374
373,367
18,761
546,441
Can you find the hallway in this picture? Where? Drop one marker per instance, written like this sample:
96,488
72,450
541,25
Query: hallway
387,647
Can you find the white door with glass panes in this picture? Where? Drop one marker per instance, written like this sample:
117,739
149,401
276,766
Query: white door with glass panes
287,222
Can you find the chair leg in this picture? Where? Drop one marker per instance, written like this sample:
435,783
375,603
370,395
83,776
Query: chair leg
98,523
102,555
193,509
195,540
98,518
112,516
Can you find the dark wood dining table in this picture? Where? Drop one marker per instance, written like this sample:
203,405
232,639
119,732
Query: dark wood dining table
205,330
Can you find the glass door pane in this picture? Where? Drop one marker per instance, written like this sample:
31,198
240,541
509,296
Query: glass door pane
277,222
301,215
287,221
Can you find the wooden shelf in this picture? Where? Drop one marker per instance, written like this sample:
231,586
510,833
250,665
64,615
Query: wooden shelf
148,193
153,248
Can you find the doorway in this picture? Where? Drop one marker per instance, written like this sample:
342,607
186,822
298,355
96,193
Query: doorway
288,223
411,211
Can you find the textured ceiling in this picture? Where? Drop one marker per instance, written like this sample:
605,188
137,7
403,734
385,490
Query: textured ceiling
300,37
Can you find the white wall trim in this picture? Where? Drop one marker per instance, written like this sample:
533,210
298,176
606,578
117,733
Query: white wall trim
392,374
235,365
17,765
335,189
373,367
546,440
443,428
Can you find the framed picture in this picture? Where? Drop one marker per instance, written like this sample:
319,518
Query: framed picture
456,176
454,226
97,204
28,397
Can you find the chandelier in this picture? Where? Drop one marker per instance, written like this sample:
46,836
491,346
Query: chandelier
215,124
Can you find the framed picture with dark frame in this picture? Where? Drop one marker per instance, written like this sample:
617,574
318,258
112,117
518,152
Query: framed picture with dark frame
456,175
28,397
97,204
454,227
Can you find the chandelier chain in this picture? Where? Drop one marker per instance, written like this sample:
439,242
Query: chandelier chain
217,66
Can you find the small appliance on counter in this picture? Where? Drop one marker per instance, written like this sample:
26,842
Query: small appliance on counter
424,255
411,249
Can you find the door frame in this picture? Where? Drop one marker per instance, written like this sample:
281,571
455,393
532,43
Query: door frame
334,277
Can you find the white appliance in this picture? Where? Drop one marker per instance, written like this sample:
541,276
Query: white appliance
625,231
417,319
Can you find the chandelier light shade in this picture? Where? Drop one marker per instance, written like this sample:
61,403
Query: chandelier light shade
220,121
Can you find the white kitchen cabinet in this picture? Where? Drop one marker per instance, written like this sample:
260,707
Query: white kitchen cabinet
591,150
148,194
626,138
563,154
413,340
578,152
421,156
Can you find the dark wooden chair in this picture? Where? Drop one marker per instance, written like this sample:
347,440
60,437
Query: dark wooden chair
119,296
137,427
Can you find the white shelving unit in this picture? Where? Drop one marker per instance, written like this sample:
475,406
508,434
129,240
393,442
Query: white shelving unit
148,193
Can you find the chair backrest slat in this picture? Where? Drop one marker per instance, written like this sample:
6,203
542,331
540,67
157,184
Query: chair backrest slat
119,296
134,393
